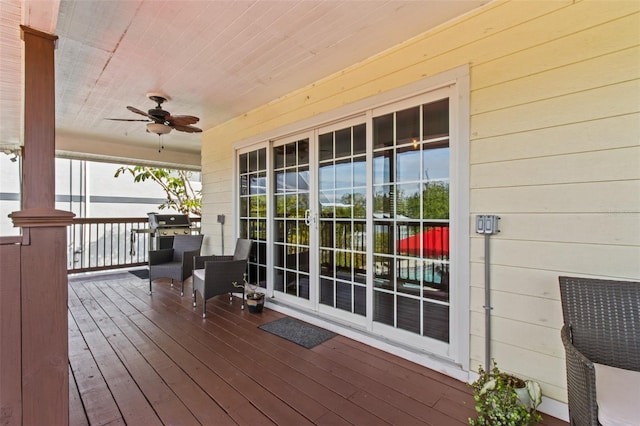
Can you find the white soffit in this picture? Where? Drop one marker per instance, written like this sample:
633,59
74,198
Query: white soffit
215,59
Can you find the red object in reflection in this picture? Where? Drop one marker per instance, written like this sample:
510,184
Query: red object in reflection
435,243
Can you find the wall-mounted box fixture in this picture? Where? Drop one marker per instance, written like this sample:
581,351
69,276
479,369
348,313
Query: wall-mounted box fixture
487,224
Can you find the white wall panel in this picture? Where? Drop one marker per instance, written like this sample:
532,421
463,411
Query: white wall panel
594,166
521,308
595,228
513,279
555,82
597,135
565,258
520,333
594,104
587,30
599,197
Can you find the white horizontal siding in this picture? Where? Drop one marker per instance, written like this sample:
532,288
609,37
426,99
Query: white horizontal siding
556,82
580,228
595,166
217,181
539,337
596,135
579,198
607,101
572,35
510,306
605,260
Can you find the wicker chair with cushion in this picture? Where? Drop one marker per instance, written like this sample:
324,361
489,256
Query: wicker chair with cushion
601,336
215,275
177,262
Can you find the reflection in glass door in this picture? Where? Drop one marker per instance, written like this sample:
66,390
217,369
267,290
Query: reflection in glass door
252,209
342,180
291,230
411,219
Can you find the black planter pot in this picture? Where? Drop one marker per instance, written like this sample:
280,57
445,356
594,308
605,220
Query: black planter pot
255,302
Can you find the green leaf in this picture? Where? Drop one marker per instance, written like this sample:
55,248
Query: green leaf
175,184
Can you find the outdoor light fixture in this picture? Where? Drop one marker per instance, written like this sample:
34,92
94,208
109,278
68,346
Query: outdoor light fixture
158,128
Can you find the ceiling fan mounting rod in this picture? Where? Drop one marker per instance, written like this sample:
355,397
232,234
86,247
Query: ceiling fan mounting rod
158,98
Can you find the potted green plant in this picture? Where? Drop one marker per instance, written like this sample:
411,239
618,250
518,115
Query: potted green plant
254,298
255,301
503,399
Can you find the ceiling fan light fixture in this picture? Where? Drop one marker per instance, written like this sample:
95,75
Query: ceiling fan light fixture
158,128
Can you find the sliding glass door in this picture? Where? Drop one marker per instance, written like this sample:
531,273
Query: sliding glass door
252,209
291,230
411,219
358,216
342,217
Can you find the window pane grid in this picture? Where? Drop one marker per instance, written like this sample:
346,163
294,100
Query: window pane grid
291,200
342,218
411,219
252,210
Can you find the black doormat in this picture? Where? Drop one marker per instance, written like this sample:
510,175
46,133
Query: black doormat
143,274
299,332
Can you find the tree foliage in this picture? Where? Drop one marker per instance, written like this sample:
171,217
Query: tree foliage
434,203
175,183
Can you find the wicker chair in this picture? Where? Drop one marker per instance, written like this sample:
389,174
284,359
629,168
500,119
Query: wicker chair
601,325
215,275
176,262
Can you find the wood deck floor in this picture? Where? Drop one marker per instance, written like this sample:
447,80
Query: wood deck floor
141,360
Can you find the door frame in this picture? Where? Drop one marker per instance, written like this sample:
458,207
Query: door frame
458,81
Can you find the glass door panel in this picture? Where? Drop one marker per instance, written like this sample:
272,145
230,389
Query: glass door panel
252,209
411,219
342,206
291,229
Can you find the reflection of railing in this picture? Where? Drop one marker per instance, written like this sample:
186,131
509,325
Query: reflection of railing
413,258
108,243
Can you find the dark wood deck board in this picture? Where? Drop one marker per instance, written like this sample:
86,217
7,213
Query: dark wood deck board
175,398
77,415
100,407
141,359
165,403
207,374
131,402
263,343
195,397
250,359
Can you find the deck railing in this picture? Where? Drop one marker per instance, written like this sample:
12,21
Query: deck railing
96,244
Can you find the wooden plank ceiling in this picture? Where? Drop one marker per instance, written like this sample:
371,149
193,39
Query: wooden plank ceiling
215,59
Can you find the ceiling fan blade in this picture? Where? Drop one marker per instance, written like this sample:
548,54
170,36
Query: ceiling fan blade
158,115
188,129
139,111
182,120
127,119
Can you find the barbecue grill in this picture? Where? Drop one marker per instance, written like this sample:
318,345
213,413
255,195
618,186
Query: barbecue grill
164,226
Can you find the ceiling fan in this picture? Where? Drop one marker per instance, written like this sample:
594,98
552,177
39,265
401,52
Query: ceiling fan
160,120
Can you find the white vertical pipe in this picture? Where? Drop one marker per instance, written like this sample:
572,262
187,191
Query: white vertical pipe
487,302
